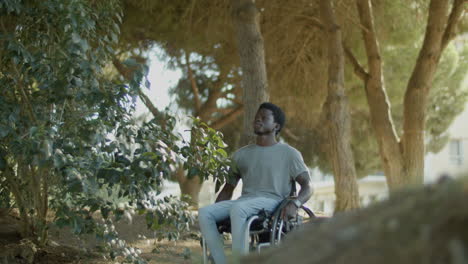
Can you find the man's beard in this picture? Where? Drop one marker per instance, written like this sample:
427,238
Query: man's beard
262,133
259,133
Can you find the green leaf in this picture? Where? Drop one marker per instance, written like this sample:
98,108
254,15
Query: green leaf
59,160
192,172
61,222
3,163
84,44
149,219
222,152
75,38
4,131
149,156
78,82
130,62
105,212
221,143
33,131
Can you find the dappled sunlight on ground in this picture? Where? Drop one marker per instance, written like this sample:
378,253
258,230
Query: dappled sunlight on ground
165,252
68,248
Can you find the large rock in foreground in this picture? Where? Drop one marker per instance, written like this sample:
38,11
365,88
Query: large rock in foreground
424,225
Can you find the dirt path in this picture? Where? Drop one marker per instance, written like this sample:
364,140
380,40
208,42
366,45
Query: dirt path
67,248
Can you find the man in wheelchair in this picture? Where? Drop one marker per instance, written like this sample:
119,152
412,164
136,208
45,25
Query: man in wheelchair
267,169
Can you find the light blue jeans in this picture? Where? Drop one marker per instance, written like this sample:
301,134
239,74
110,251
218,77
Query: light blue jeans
239,211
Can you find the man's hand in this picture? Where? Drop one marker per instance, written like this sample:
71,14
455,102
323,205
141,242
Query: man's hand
228,189
289,211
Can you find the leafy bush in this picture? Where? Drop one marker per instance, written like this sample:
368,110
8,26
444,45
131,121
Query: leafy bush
68,141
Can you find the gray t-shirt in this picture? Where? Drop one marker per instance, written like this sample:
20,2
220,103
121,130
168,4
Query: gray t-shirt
268,171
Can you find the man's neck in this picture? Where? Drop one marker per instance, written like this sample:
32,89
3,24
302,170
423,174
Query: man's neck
266,140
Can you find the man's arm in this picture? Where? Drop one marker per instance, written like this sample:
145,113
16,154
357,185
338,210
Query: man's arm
304,194
228,189
306,189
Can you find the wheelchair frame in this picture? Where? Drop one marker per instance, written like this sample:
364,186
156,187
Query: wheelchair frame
271,224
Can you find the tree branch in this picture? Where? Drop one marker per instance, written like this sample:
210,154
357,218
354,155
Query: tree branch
14,187
345,14
228,118
45,192
225,111
209,106
234,91
124,71
377,98
35,189
314,21
144,98
290,134
127,74
25,97
418,88
358,69
455,15
370,38
196,91
236,101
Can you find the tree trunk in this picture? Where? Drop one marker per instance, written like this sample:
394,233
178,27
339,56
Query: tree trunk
403,161
379,104
338,123
191,187
417,91
252,61
188,186
25,228
32,202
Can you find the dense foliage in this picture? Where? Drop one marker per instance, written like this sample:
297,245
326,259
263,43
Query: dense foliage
69,146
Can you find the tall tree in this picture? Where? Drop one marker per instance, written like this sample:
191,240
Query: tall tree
208,90
296,62
51,76
68,141
199,94
403,159
337,116
252,61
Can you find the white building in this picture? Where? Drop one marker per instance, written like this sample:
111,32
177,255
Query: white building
452,159
371,189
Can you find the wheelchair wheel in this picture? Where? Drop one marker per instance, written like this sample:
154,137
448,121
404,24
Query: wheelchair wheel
279,227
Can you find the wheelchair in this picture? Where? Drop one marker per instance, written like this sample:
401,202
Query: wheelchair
265,229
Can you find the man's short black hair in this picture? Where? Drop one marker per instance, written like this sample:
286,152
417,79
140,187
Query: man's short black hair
278,114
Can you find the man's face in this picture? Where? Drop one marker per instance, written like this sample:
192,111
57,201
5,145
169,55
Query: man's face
264,122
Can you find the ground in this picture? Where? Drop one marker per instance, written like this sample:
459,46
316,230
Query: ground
65,248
